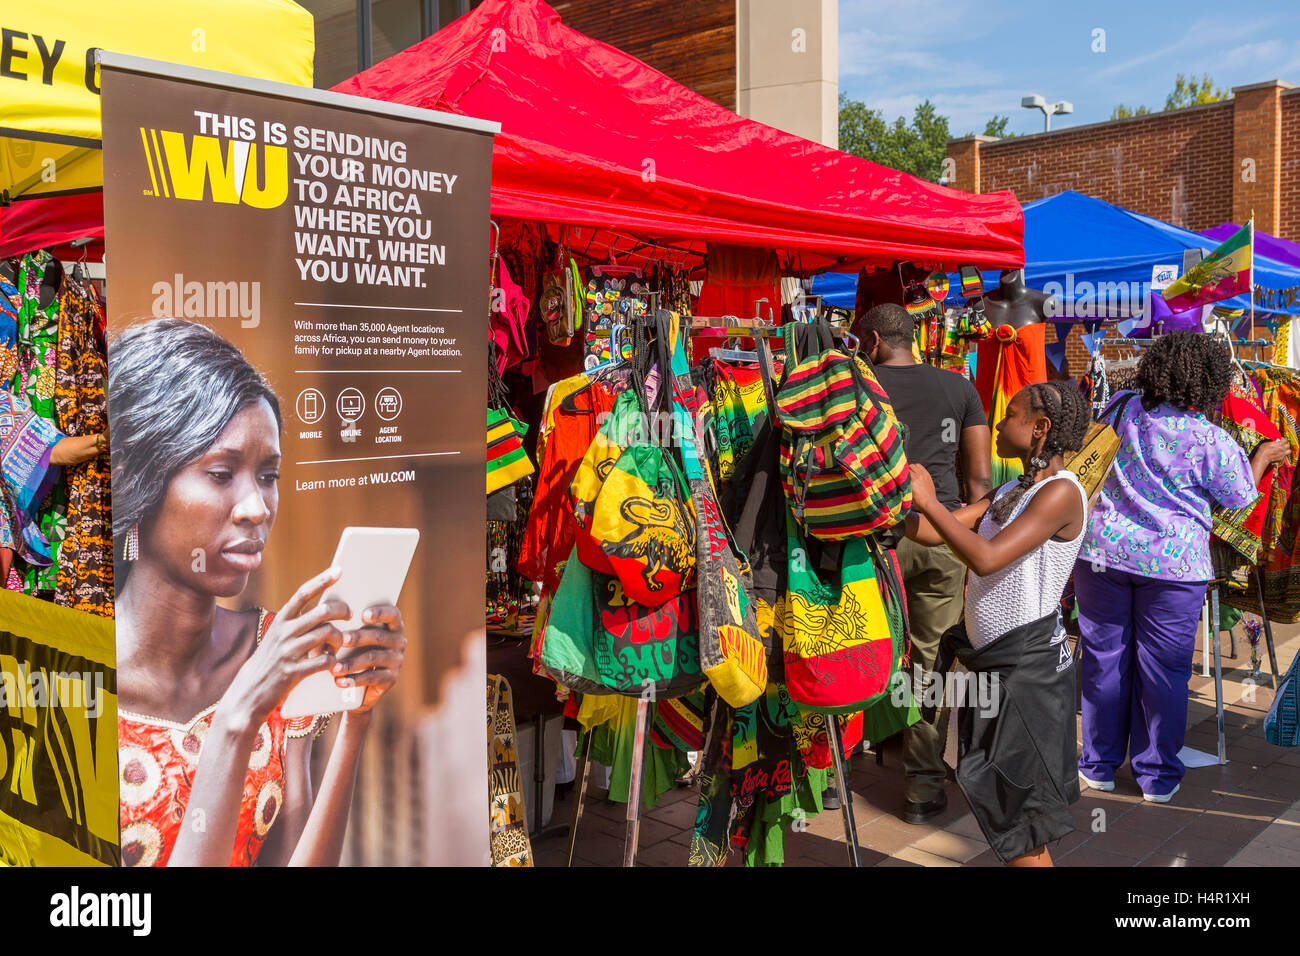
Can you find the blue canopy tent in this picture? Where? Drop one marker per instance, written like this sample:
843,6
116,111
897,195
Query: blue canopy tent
1099,260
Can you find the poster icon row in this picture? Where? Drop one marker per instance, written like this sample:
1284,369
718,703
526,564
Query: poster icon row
350,405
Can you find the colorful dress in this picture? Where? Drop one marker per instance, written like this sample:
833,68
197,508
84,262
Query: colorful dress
1007,363
26,441
156,763
38,353
85,569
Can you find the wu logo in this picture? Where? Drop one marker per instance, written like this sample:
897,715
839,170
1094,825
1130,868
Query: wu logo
203,169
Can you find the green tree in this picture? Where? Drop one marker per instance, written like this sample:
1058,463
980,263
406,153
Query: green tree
1188,92
1123,112
997,126
918,148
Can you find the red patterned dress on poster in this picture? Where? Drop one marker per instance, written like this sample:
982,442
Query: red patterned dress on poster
156,762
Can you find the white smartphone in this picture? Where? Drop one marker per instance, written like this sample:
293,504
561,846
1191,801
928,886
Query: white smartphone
374,562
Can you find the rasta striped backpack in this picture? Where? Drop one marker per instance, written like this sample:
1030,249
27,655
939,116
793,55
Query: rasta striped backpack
842,462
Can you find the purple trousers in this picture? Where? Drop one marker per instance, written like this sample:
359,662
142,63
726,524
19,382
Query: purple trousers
1137,639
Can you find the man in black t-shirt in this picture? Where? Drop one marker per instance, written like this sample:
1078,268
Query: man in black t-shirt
945,422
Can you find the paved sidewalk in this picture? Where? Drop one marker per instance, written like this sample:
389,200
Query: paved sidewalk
1245,813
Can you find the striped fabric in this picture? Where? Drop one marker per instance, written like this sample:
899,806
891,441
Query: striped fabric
507,461
842,462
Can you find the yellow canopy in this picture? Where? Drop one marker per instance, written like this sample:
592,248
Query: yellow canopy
49,85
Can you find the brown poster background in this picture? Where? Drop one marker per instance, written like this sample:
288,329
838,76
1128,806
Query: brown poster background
340,323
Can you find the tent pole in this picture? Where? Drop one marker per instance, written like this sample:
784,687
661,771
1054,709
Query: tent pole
584,767
637,783
1218,674
836,742
1268,627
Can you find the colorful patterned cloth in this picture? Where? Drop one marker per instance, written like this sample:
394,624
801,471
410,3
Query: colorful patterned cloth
1243,528
85,574
1007,363
1153,515
156,763
38,355
1280,573
26,441
738,400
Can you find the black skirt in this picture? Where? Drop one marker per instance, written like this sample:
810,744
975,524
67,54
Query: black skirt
1017,763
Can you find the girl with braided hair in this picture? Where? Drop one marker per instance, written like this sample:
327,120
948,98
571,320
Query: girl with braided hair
1016,758
1145,561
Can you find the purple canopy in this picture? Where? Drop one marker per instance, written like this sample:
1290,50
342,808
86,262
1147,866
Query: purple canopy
1270,247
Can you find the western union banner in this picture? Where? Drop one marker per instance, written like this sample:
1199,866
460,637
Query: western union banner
49,86
58,736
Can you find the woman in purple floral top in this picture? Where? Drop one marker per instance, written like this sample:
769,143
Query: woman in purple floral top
1144,564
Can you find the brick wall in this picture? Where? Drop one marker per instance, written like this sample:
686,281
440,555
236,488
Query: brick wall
1289,224
1175,166
1195,167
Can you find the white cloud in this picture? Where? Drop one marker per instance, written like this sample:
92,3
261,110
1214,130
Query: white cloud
1256,56
1199,35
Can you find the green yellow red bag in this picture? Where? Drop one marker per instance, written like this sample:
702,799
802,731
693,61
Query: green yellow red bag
842,462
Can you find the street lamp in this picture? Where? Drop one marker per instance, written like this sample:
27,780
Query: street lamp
1036,102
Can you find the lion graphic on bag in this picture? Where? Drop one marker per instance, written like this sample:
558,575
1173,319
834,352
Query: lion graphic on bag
664,539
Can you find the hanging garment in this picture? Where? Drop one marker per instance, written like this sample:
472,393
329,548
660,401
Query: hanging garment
738,276
508,322
754,783
1008,362
10,301
738,401
38,353
611,721
1286,343
85,575
573,417
1243,528
26,440
1280,572
507,815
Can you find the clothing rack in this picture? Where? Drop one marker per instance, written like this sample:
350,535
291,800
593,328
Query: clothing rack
759,329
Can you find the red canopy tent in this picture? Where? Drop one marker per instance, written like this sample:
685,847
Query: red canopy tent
53,223
593,136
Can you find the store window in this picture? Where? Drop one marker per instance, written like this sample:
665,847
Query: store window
344,28
336,40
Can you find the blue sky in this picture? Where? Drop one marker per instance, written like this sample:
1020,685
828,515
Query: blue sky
975,58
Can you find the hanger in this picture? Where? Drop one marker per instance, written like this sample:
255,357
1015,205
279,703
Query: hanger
615,351
612,268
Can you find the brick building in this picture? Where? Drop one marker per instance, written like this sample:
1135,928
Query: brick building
1195,167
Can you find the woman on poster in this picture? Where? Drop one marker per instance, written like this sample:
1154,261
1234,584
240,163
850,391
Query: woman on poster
196,454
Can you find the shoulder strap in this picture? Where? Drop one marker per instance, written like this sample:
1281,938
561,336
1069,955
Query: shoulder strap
1114,412
788,340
